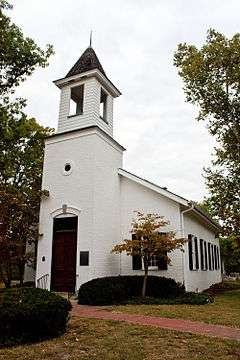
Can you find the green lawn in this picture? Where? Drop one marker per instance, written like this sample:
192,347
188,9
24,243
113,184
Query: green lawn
224,311
88,339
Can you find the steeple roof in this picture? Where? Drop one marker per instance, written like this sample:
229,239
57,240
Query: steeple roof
87,61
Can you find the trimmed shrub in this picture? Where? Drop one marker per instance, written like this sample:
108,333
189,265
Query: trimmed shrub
189,298
119,289
28,314
192,298
223,287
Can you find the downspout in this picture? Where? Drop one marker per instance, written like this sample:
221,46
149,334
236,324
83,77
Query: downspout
182,234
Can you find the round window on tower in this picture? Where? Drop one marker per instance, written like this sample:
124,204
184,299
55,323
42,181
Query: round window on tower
67,168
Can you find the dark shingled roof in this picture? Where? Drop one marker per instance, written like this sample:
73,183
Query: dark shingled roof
87,61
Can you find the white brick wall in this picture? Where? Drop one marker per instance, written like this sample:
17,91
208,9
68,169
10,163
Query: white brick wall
105,203
198,280
93,191
136,197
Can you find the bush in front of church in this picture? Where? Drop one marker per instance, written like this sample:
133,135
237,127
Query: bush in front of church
28,315
119,289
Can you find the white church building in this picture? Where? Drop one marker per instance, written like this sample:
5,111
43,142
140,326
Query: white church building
92,198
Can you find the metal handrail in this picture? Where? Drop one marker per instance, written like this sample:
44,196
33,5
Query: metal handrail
42,282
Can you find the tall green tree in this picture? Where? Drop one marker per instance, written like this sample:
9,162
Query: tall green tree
21,149
19,55
211,77
21,161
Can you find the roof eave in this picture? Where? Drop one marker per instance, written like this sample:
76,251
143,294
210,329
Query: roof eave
184,202
87,128
207,218
60,83
154,187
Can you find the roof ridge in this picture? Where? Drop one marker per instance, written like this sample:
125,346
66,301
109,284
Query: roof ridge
196,208
152,183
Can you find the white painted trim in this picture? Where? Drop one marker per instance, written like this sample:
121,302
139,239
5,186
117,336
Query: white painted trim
153,187
69,210
204,218
65,136
96,73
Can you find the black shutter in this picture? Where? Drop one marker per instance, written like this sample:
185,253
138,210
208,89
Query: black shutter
136,259
218,262
190,252
209,257
212,249
136,262
196,252
215,257
201,254
205,253
162,262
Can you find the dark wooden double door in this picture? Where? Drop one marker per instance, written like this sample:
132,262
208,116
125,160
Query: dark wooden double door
64,251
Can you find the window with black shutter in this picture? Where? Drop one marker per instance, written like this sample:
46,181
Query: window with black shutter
209,257
215,257
212,249
218,260
136,259
190,252
201,254
162,262
205,255
196,253
136,262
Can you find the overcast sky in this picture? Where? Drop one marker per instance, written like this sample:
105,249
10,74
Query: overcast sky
135,41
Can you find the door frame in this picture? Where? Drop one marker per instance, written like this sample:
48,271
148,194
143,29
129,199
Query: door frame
64,211
54,232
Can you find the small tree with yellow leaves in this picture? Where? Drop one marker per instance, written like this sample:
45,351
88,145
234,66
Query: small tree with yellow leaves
149,241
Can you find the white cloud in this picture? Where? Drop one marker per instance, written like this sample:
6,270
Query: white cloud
135,41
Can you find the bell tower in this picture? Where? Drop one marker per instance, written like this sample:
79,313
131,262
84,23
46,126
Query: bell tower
86,96
80,219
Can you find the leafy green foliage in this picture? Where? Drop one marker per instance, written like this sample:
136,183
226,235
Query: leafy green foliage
21,150
230,251
230,247
28,315
21,161
19,55
119,289
223,286
188,298
211,77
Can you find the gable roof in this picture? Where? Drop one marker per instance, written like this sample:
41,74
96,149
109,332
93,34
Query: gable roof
170,195
87,61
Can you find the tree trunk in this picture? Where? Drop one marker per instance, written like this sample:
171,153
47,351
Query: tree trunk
21,273
145,279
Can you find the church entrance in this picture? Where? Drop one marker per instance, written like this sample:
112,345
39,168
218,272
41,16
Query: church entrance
64,250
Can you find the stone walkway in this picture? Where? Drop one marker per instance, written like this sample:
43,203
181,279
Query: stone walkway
198,328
